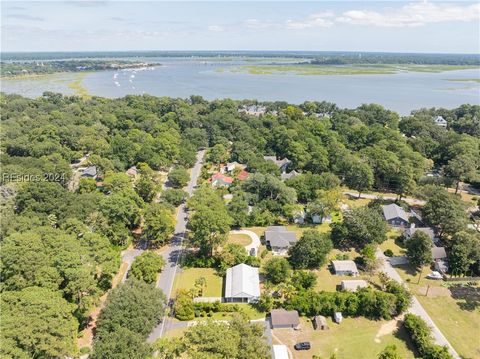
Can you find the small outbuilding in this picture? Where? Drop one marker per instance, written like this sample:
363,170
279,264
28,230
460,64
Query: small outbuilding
353,285
345,267
281,318
337,317
320,322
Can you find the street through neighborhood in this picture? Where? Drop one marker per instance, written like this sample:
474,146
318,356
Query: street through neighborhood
416,308
174,250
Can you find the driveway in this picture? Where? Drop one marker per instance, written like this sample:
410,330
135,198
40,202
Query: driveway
173,252
253,236
416,308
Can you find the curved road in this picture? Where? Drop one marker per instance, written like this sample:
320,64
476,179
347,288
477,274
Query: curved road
174,250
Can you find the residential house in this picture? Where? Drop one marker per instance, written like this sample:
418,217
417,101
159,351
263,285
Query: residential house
280,351
282,163
440,121
395,215
220,180
89,172
254,110
345,267
281,318
409,232
439,256
317,219
132,171
243,175
242,284
291,174
232,166
320,322
353,285
279,239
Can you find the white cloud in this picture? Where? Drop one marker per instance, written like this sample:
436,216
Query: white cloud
258,24
215,28
413,14
321,19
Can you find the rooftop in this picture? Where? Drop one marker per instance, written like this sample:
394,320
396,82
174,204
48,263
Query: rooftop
391,211
242,281
282,317
345,266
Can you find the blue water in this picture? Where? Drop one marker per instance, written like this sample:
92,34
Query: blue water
182,77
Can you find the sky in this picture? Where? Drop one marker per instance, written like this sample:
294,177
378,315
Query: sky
386,26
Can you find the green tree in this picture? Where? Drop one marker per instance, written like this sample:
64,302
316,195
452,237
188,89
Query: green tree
419,249
369,257
445,211
217,154
360,227
390,352
146,188
184,308
159,224
464,256
169,348
359,176
147,266
209,226
134,305
38,322
121,344
178,177
277,269
310,251
173,196
87,185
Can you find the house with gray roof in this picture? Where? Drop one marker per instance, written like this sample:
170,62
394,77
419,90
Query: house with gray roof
242,284
279,239
89,172
282,163
395,215
438,253
281,318
410,231
291,174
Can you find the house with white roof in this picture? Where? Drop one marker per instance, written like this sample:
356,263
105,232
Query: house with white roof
242,284
440,121
345,267
353,285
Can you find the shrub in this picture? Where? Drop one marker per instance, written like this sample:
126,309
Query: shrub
419,332
388,253
184,307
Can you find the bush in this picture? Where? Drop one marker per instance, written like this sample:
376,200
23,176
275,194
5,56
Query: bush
184,307
419,332
147,266
178,177
174,196
388,253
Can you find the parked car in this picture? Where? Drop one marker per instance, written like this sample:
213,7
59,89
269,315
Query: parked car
302,346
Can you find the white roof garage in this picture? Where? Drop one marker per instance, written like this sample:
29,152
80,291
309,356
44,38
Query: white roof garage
242,284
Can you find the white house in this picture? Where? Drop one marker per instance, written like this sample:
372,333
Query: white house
440,121
353,285
345,267
242,284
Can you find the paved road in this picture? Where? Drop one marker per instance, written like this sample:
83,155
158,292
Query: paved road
253,236
172,254
416,308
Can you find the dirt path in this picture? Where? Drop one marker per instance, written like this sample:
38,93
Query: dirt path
388,328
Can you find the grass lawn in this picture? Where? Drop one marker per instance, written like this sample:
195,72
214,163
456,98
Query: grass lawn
357,338
353,202
241,239
457,324
390,243
249,310
326,280
186,280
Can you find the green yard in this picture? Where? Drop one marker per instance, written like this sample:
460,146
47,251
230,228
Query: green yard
241,239
458,325
391,244
186,280
357,338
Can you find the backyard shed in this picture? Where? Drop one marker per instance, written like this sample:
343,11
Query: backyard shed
281,318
